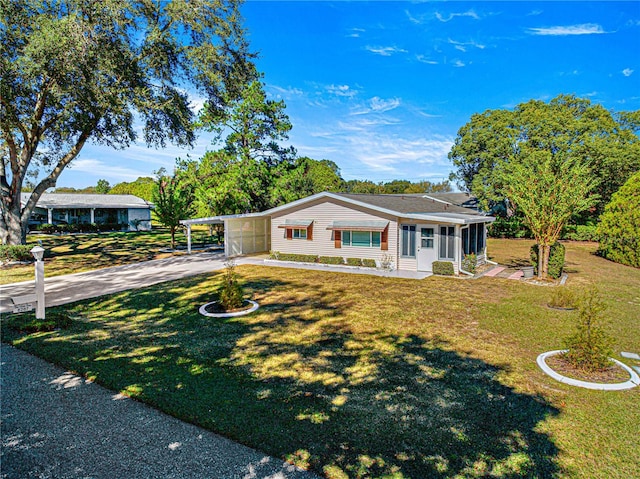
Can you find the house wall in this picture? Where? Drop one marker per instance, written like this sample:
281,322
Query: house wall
142,214
324,212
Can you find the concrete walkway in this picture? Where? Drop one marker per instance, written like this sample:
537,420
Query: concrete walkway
90,284
58,425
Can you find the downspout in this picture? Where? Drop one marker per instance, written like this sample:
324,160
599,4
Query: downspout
465,272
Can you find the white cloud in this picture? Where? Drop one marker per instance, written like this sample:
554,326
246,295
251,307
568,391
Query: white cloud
385,51
582,29
377,105
627,72
459,63
341,90
462,46
355,32
280,92
112,172
424,59
451,16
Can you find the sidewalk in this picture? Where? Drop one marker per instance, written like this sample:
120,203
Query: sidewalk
58,425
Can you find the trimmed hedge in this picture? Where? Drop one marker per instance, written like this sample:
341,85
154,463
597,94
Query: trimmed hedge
331,260
443,268
354,261
19,252
81,227
556,260
369,263
301,258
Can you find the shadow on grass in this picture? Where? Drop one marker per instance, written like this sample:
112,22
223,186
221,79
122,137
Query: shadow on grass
304,380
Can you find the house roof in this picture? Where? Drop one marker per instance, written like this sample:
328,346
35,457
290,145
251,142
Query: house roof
411,206
68,200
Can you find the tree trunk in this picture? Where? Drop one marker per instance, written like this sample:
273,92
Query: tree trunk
12,229
543,260
173,237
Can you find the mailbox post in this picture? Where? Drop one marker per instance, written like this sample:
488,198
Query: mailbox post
38,254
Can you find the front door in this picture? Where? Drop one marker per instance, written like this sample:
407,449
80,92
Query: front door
427,252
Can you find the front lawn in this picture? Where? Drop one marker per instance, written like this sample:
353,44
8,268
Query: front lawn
358,376
75,253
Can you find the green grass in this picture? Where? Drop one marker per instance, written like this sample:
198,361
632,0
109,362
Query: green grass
75,253
357,376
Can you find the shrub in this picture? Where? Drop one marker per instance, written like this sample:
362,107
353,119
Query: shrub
619,227
331,260
354,261
274,255
46,228
231,294
369,263
444,268
19,252
562,298
590,345
386,262
580,233
470,262
556,260
301,258
511,227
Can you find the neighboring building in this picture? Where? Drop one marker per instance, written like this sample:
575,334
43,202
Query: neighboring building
411,230
58,208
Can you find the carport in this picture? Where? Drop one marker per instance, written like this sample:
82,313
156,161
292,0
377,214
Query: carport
243,234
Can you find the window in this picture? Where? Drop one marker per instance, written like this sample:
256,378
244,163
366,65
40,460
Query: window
408,241
426,238
300,233
367,239
446,242
473,239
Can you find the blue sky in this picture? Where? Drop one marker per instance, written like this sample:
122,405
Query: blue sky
381,88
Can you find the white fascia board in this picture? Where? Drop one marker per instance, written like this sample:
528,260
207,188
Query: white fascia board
220,219
453,218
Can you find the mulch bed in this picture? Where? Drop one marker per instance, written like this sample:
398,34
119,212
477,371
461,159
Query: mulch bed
217,308
610,375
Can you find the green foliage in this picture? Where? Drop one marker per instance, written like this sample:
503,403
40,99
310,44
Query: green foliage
470,263
548,189
556,259
563,298
304,177
443,268
143,188
619,229
16,252
102,187
301,258
354,261
173,202
590,345
566,126
580,233
231,294
368,263
78,71
396,187
511,227
331,260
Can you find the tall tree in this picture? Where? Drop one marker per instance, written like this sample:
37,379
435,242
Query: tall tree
143,187
252,126
103,187
304,177
173,201
548,189
78,71
607,142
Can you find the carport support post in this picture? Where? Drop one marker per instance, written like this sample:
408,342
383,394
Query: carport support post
189,239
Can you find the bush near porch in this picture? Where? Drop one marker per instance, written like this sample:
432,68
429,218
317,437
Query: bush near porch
360,376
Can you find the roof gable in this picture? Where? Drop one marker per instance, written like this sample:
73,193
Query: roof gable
71,200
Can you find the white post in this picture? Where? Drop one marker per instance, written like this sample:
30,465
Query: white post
92,212
50,216
189,239
38,254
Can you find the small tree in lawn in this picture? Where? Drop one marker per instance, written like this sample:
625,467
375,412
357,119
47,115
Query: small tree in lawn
590,345
173,201
231,294
548,189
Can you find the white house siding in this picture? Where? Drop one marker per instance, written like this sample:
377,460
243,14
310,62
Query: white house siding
144,215
246,236
323,213
411,264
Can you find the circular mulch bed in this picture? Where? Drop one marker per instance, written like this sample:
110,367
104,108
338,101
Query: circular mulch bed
215,310
610,380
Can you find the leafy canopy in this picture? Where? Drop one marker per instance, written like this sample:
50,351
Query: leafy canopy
79,71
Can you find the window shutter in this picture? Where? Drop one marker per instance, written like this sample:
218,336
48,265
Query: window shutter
289,233
384,239
337,235
310,232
